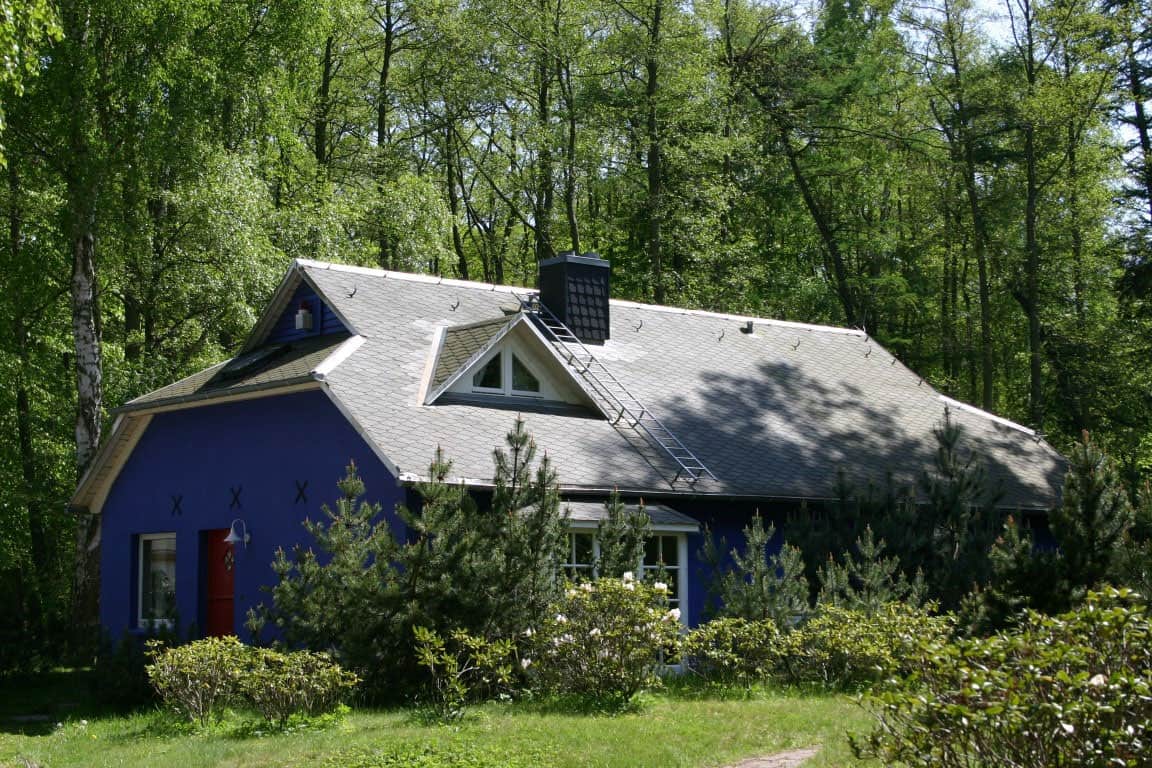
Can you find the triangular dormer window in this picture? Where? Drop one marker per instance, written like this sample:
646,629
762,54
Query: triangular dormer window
502,358
506,374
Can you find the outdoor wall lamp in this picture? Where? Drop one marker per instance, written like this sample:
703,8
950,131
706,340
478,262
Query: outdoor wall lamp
235,538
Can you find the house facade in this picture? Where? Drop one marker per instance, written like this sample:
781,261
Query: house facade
708,418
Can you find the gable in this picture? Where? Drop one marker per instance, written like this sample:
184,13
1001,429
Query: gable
323,319
500,359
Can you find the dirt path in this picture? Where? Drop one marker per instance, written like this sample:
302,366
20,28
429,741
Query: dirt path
790,759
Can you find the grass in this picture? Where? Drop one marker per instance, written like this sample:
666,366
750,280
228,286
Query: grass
676,728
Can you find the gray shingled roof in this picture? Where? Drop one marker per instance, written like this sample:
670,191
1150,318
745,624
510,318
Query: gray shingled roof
292,365
775,413
594,512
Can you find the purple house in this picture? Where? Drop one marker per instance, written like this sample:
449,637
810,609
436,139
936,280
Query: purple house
709,418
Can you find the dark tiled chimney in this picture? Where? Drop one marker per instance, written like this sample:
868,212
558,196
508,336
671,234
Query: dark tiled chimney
575,289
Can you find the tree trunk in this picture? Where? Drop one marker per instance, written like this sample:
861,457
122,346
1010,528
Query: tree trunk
655,152
450,160
323,106
567,91
81,183
1031,299
543,204
34,594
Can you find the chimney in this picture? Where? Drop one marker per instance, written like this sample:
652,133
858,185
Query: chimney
575,289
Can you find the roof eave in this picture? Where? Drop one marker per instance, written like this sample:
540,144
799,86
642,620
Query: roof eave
249,392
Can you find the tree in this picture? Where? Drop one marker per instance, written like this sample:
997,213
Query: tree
622,535
866,580
762,586
27,24
444,564
1093,519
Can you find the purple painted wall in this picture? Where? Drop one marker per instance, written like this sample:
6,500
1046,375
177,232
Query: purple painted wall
324,320
261,446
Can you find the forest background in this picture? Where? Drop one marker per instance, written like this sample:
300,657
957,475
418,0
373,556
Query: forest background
983,209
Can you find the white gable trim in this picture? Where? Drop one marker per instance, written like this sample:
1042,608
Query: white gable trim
339,355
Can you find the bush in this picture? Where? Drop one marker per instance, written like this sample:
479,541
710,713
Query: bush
843,648
733,651
280,685
197,680
604,641
1075,689
460,667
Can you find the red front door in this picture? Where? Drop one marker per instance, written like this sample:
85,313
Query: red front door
219,591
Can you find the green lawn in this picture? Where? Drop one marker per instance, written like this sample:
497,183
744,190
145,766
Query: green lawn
668,730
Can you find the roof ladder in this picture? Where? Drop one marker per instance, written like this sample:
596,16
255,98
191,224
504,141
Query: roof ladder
625,411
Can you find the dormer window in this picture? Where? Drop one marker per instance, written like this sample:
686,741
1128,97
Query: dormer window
506,374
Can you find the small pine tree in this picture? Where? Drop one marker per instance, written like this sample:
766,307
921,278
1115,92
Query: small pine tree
487,572
866,581
522,539
960,516
622,535
759,586
1094,519
342,603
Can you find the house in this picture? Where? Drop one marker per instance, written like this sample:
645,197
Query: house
708,417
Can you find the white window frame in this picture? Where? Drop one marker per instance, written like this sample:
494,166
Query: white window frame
506,387
641,569
681,570
141,622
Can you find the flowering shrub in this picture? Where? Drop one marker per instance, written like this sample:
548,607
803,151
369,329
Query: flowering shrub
733,650
460,666
603,641
844,648
1074,689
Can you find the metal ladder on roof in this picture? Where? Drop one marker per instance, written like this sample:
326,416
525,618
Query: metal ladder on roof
625,410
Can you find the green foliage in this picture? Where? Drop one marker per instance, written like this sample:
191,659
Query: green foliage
874,165
197,680
621,534
759,586
1091,523
461,667
1072,689
733,651
866,581
280,685
490,573
604,642
847,649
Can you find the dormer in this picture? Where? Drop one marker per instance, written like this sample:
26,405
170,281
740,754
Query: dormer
502,362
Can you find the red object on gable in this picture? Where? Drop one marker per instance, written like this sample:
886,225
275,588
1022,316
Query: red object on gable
219,589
